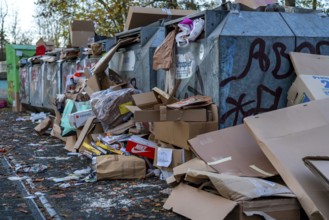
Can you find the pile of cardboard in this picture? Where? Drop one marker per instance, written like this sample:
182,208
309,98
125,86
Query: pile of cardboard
288,143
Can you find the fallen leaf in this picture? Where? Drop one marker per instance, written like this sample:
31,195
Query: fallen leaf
24,211
157,204
58,196
39,179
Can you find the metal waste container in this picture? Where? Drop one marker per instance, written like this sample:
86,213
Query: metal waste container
13,54
244,64
134,62
24,90
36,84
51,83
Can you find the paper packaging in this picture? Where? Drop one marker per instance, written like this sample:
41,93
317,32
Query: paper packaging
233,151
312,82
80,31
288,135
78,119
91,126
254,4
43,126
142,16
319,165
194,203
266,208
178,133
166,114
120,167
141,147
168,158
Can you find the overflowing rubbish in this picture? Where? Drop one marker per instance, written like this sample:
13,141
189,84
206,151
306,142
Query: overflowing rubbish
229,142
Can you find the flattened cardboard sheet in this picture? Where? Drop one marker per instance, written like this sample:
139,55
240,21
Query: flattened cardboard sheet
233,151
288,135
310,64
319,165
198,204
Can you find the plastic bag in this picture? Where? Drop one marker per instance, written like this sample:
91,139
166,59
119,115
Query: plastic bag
190,31
67,129
108,106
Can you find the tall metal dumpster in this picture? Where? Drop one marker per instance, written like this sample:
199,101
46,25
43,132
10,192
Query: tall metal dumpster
51,83
134,62
13,54
244,63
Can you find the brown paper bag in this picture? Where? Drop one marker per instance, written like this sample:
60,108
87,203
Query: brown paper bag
120,167
163,55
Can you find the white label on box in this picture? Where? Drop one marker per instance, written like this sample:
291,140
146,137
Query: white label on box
317,85
127,62
185,65
164,157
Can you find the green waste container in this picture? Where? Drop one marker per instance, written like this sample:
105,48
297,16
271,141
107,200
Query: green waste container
13,54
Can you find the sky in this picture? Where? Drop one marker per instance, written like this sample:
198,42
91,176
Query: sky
25,9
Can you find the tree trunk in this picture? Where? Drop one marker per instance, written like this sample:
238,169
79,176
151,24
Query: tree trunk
291,3
314,3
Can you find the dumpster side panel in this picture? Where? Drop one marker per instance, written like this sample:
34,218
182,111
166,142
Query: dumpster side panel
51,82
255,75
67,69
24,92
36,86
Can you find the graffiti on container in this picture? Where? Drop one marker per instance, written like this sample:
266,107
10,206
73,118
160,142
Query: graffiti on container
311,48
23,83
133,82
264,94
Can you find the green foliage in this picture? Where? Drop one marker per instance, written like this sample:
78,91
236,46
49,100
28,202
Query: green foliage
109,16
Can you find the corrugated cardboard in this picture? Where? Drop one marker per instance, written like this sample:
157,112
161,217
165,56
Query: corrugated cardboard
254,4
145,100
312,82
179,156
168,115
319,165
266,208
198,204
86,130
178,133
43,126
142,16
80,31
195,164
70,141
288,135
232,151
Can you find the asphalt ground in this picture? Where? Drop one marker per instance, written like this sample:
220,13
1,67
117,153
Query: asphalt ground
37,196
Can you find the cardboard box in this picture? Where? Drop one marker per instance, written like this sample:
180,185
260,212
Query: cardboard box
255,4
233,151
266,208
194,203
92,125
141,147
178,133
288,135
167,158
319,165
78,119
43,126
142,16
312,82
165,114
80,31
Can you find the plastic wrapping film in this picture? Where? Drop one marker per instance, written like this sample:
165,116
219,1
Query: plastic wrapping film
108,106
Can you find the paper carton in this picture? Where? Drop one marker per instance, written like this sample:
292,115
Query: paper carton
178,133
288,135
255,4
319,166
312,82
141,147
167,158
80,31
142,16
232,151
78,119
